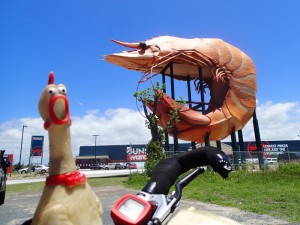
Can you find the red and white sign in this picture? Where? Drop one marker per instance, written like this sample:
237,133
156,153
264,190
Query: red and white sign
9,158
252,148
136,154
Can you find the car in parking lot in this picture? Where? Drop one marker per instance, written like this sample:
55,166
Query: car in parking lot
36,169
24,170
289,156
41,169
99,167
3,171
116,166
271,160
131,166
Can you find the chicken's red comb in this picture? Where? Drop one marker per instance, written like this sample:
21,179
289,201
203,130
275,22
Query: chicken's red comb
51,78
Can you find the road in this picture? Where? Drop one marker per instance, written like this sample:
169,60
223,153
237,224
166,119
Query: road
88,173
20,207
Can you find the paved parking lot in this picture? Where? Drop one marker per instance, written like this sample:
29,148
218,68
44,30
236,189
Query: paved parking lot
19,207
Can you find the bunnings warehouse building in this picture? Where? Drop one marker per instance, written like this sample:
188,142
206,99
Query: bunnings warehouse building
105,154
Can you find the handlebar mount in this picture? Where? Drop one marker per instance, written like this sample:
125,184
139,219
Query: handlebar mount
152,205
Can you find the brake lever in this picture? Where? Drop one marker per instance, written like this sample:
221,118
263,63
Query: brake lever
180,184
167,205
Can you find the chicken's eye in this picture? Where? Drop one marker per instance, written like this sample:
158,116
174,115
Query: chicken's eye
62,90
51,91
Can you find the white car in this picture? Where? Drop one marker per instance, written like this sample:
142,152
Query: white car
35,169
24,170
271,160
41,169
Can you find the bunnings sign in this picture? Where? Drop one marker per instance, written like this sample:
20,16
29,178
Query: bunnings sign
136,154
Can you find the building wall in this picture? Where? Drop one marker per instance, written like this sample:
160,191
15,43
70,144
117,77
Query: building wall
270,148
117,153
86,162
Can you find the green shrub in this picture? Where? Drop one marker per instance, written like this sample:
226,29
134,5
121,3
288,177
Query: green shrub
289,168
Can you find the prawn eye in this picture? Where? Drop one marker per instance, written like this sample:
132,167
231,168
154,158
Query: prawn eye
142,45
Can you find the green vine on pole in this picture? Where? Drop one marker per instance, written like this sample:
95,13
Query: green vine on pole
151,96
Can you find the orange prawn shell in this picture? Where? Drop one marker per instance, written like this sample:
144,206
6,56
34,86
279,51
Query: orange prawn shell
220,62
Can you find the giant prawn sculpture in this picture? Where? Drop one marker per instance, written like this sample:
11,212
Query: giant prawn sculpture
67,197
227,71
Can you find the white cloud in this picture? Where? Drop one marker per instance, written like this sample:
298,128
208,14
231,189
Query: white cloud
277,121
115,126
11,133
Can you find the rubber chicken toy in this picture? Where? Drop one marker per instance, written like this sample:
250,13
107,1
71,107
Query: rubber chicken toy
67,197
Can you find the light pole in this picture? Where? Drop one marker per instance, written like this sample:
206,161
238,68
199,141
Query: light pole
21,144
95,135
130,159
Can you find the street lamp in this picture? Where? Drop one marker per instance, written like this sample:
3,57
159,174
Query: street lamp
95,135
21,144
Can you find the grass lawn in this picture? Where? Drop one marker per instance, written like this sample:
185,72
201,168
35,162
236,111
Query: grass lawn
276,193
260,192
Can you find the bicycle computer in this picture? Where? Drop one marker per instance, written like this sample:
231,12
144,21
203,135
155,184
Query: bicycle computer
131,210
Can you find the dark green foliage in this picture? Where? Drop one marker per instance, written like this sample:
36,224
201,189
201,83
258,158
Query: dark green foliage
154,155
155,146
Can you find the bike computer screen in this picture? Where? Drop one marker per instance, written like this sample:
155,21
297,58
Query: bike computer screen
131,210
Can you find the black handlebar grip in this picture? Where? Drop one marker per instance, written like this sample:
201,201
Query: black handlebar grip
168,170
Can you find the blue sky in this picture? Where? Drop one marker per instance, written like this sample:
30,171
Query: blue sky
70,37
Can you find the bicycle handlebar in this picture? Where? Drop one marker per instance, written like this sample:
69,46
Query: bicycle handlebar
168,170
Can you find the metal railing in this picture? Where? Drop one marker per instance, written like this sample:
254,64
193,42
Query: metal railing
255,159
